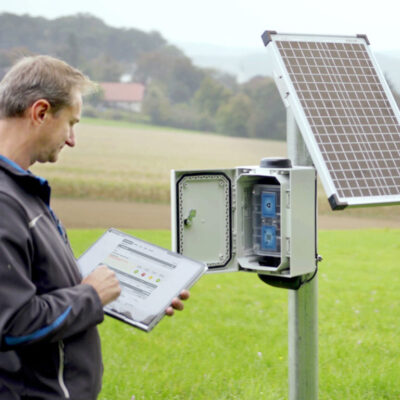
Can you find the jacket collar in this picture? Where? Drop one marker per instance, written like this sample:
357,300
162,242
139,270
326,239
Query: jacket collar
36,184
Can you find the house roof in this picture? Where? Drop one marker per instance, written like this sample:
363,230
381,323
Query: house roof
128,92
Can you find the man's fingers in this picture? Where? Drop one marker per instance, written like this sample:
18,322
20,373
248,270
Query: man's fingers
184,295
169,311
105,282
177,304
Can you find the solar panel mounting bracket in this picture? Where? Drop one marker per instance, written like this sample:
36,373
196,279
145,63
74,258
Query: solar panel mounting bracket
335,203
282,88
365,37
266,36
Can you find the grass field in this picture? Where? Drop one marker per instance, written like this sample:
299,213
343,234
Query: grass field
122,161
231,341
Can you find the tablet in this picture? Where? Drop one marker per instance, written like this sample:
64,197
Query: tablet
150,276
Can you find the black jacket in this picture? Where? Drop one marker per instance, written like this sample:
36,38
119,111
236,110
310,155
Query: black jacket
49,344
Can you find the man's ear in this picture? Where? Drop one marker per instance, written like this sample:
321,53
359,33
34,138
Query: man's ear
39,110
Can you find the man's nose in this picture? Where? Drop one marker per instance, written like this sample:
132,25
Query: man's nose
71,139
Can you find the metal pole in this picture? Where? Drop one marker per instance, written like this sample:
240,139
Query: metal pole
303,304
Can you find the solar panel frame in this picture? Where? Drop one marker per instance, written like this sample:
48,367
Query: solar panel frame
339,196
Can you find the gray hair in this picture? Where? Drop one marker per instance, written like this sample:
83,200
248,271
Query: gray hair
40,77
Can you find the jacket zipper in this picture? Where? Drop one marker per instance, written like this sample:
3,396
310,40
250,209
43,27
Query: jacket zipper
61,369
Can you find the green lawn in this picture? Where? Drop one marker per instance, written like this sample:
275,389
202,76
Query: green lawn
231,340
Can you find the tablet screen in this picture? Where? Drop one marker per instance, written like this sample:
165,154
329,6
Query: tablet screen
150,276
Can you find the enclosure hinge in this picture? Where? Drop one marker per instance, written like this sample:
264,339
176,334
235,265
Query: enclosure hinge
234,236
287,198
288,246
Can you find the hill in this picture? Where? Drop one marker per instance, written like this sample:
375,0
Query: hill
82,40
178,93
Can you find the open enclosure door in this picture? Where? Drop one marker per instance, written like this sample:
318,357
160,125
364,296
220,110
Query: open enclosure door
202,216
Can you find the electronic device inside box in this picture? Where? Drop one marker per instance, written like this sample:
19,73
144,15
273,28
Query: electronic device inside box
247,218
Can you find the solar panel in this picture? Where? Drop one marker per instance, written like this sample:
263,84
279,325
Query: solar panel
346,113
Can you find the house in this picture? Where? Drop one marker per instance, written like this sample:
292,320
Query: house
126,96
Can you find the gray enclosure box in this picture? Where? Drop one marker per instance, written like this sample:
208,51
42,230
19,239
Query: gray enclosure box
247,218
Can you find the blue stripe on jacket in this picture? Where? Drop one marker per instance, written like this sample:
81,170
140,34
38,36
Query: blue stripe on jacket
12,341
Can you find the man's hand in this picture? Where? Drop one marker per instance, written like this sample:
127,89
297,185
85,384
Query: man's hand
105,283
177,303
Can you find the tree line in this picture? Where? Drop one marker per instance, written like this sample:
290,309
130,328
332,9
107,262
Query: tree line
178,93
181,95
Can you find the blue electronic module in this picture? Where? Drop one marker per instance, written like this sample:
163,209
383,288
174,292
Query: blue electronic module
268,238
268,204
267,220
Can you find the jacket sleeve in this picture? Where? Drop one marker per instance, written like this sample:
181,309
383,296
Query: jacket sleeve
25,316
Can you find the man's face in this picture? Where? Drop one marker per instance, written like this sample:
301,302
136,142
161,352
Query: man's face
58,131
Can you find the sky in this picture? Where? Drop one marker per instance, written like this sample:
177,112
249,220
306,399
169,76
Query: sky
233,23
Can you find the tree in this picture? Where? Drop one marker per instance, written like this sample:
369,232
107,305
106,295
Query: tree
233,116
210,96
157,64
71,50
268,116
224,78
173,69
104,69
156,105
183,81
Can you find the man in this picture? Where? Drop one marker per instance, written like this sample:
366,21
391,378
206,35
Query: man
49,344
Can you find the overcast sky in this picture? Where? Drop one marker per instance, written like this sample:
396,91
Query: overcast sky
234,23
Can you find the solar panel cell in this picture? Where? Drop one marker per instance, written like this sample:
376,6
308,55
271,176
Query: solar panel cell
346,105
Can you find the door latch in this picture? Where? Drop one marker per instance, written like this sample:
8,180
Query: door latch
188,220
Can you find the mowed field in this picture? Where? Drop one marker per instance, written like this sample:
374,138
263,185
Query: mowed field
118,175
231,341
134,162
